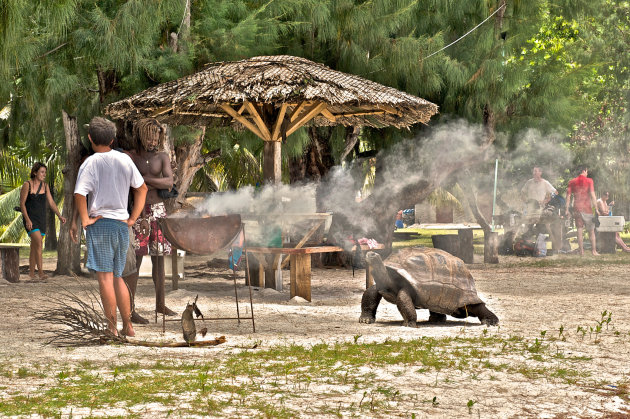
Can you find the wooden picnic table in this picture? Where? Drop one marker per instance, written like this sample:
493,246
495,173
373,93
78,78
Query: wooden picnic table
300,265
270,262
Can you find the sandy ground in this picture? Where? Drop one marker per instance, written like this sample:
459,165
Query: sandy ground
527,300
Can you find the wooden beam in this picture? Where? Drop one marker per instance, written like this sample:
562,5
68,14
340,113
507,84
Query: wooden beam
307,236
240,118
210,115
308,114
160,111
297,111
241,109
253,111
360,113
389,109
328,115
300,275
278,124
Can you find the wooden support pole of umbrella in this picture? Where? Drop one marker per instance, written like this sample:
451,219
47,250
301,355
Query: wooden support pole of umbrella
273,133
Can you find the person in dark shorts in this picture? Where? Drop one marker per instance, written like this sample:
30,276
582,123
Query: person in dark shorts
33,198
106,177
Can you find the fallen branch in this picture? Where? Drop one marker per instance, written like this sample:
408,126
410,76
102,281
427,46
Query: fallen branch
198,343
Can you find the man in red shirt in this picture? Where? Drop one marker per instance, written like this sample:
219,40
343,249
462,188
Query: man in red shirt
584,201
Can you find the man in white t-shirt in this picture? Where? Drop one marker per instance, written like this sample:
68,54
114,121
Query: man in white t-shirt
537,192
106,177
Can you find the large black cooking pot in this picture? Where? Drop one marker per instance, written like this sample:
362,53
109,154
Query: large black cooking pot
201,235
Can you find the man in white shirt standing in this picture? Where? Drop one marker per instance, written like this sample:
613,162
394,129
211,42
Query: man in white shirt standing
106,177
537,192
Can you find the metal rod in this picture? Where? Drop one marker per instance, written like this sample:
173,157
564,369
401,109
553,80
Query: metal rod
238,313
227,318
211,318
494,197
248,278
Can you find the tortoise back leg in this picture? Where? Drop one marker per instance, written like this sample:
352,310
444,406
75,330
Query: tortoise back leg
369,303
477,310
437,317
406,308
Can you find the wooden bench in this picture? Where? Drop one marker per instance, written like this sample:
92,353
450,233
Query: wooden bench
300,259
10,261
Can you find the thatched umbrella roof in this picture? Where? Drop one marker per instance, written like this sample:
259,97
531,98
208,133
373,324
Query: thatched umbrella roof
280,94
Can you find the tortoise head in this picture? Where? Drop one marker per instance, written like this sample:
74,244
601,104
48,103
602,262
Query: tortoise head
379,271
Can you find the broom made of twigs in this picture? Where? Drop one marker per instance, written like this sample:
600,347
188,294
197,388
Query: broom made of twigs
86,325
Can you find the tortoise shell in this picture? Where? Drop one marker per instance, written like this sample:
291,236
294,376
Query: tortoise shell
438,280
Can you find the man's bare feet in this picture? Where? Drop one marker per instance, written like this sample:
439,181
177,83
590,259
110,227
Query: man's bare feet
138,319
166,311
595,253
128,331
43,276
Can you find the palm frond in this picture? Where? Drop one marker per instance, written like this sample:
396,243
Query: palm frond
14,169
7,202
14,233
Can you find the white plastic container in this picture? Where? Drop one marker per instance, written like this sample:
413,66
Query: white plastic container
146,266
611,224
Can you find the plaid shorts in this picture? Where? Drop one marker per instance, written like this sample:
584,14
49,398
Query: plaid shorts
107,244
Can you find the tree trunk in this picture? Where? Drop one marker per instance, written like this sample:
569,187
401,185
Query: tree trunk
107,83
352,139
490,238
51,230
186,161
69,253
272,162
316,160
383,205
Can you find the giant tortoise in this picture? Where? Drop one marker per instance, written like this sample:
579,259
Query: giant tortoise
422,277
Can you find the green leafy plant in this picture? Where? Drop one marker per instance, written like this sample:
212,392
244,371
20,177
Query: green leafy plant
470,405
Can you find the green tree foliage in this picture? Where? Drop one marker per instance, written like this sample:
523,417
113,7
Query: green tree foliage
601,139
532,62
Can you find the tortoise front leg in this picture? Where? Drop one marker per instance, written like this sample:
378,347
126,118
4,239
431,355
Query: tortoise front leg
369,303
477,310
406,308
485,316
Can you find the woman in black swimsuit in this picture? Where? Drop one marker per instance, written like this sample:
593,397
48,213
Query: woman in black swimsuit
33,197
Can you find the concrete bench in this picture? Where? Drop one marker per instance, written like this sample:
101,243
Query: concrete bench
10,261
300,259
